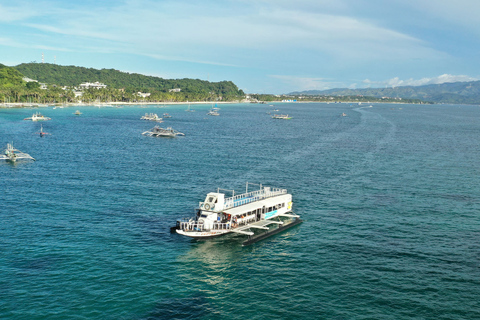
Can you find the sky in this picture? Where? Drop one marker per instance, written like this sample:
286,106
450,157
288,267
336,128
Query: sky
263,46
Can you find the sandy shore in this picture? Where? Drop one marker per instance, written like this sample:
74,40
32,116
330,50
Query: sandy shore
105,104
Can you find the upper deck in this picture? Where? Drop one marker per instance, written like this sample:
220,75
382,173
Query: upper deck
248,197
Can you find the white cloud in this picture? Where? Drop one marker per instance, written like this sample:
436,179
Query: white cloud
397,82
16,12
189,31
306,83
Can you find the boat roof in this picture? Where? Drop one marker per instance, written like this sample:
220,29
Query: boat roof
252,206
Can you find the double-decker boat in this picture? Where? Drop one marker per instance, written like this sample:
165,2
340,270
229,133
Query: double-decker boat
241,214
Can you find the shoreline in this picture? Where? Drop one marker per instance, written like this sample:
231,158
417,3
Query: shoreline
105,104
116,104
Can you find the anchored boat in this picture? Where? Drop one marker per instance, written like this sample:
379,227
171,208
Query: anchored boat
38,117
162,132
281,116
151,117
213,112
241,214
12,155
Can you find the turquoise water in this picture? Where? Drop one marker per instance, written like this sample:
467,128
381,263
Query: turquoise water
389,195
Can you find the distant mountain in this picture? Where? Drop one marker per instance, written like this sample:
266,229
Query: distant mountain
455,93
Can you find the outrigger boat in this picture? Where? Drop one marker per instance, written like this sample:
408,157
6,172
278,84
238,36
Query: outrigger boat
12,155
42,133
151,117
241,214
213,112
281,116
166,116
162,132
38,117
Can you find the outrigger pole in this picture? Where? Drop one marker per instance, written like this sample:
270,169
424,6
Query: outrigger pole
264,235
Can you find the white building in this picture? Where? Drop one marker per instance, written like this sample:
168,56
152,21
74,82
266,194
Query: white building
96,85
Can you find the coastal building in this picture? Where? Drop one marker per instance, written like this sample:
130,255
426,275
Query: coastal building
96,85
143,95
175,90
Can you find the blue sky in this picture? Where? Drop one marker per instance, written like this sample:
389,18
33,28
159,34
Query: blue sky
263,46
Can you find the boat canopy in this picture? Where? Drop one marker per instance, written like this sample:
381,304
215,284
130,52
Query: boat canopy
256,205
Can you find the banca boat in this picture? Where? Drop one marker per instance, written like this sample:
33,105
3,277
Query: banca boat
37,116
162,132
213,112
12,155
41,132
241,214
151,117
281,116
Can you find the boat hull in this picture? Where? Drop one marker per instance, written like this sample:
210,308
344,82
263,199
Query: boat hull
203,234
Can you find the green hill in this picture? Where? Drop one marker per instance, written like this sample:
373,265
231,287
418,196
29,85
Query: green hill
133,82
10,77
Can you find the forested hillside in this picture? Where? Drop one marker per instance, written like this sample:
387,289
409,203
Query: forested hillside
191,89
10,77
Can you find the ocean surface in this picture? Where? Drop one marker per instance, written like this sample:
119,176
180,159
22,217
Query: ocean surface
389,194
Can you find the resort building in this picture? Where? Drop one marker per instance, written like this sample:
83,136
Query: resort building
96,85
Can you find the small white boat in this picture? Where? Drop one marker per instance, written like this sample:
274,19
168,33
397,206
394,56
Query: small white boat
190,110
281,116
213,112
12,155
240,214
166,116
162,132
344,114
151,117
37,116
77,113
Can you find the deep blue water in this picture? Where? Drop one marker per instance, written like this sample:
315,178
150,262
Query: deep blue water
389,194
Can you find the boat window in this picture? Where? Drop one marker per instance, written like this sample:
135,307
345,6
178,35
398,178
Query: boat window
210,199
203,216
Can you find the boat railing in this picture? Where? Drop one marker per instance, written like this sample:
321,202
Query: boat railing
221,226
253,196
186,225
190,226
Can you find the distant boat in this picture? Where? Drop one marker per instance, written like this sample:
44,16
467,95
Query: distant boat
166,116
151,117
344,114
189,110
281,116
38,117
162,132
42,133
77,113
213,112
12,155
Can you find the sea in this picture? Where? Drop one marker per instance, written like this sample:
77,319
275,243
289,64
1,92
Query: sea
389,195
